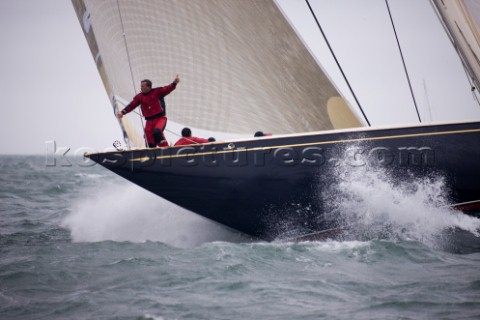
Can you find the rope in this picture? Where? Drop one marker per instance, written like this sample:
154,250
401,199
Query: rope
403,61
336,61
175,134
466,69
130,66
180,136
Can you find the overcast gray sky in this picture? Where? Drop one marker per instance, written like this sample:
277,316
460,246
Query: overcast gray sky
51,90
361,33
49,83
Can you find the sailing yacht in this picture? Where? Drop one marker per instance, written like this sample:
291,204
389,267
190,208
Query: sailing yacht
245,67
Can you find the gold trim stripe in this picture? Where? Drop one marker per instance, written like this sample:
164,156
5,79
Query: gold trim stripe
464,203
142,159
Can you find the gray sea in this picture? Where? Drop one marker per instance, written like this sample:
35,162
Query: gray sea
78,242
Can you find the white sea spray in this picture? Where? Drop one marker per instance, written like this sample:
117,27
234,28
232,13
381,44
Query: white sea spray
125,212
371,203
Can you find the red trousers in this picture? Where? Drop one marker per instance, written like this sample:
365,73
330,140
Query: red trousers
151,125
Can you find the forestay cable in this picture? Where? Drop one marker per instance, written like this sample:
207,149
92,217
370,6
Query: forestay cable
336,61
403,61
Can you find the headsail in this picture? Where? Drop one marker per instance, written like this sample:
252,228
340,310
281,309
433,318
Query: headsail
131,134
243,68
462,18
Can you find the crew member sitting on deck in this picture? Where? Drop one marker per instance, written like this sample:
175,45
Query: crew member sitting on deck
153,109
261,134
188,139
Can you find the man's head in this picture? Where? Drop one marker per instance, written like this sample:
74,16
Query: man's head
186,132
145,86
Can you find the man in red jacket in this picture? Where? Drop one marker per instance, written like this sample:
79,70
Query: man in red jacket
153,109
188,139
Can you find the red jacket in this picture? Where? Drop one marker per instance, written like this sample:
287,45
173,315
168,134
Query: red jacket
152,103
190,140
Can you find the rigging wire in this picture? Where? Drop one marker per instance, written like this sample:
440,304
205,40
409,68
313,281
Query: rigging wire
403,61
468,72
126,44
179,136
172,132
473,87
429,109
130,66
336,61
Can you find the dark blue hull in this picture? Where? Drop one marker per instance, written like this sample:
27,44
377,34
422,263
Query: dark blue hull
270,188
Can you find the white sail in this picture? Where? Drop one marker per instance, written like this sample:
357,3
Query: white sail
462,18
242,66
130,130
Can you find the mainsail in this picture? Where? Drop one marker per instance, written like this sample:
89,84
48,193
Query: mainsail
242,66
462,19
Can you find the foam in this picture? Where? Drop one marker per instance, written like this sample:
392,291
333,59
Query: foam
126,212
372,204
